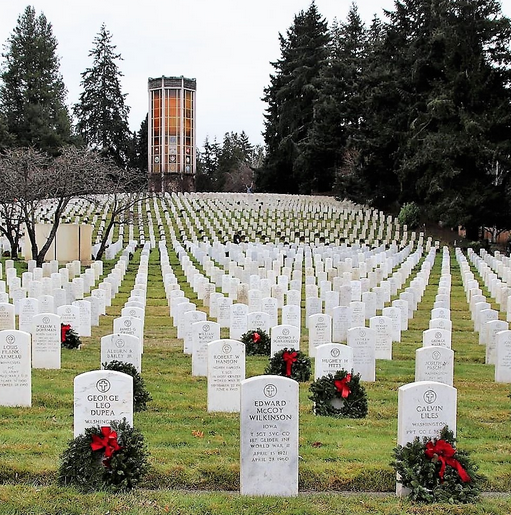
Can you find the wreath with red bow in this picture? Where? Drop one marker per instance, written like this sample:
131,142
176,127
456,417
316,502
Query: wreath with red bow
69,339
110,457
256,342
290,363
435,471
344,387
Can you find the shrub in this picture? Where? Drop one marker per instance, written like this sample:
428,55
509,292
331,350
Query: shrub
409,215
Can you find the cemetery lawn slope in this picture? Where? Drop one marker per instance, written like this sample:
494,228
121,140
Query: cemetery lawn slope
192,449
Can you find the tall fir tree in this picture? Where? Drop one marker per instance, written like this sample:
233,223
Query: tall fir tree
228,167
101,111
140,149
337,110
233,162
207,163
293,90
438,119
32,92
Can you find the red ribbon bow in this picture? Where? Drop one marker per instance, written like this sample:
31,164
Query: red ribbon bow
444,452
256,337
108,442
64,328
289,358
342,386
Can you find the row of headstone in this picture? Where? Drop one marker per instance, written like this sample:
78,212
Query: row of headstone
269,429
126,342
435,360
216,219
37,344
493,332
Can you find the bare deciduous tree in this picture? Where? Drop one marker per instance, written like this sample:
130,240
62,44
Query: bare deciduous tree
124,191
33,183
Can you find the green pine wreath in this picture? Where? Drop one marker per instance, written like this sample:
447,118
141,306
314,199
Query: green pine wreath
431,477
69,339
296,363
89,469
324,390
256,342
140,394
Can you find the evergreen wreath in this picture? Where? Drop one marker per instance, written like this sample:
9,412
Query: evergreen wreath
344,386
69,339
140,394
435,471
290,363
104,458
256,342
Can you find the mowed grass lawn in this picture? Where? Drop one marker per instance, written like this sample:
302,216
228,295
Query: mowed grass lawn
193,450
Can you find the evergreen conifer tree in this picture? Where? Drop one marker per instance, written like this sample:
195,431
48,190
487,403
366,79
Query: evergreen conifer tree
293,90
337,110
32,92
437,122
101,110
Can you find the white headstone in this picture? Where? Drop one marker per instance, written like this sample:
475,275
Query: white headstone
357,311
332,357
203,333
291,315
492,329
121,347
100,397
100,295
238,321
60,297
434,364
46,341
15,369
383,329
440,323
224,312
69,315
341,322
313,306
258,320
363,341
28,307
269,306
46,304
402,305
226,370
130,325
394,314
7,317
269,436
320,331
84,317
436,338
284,337
424,408
503,357
189,318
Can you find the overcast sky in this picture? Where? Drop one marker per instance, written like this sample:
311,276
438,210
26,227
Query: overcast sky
227,45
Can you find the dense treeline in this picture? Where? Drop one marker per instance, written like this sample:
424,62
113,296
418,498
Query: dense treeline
413,109
230,166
